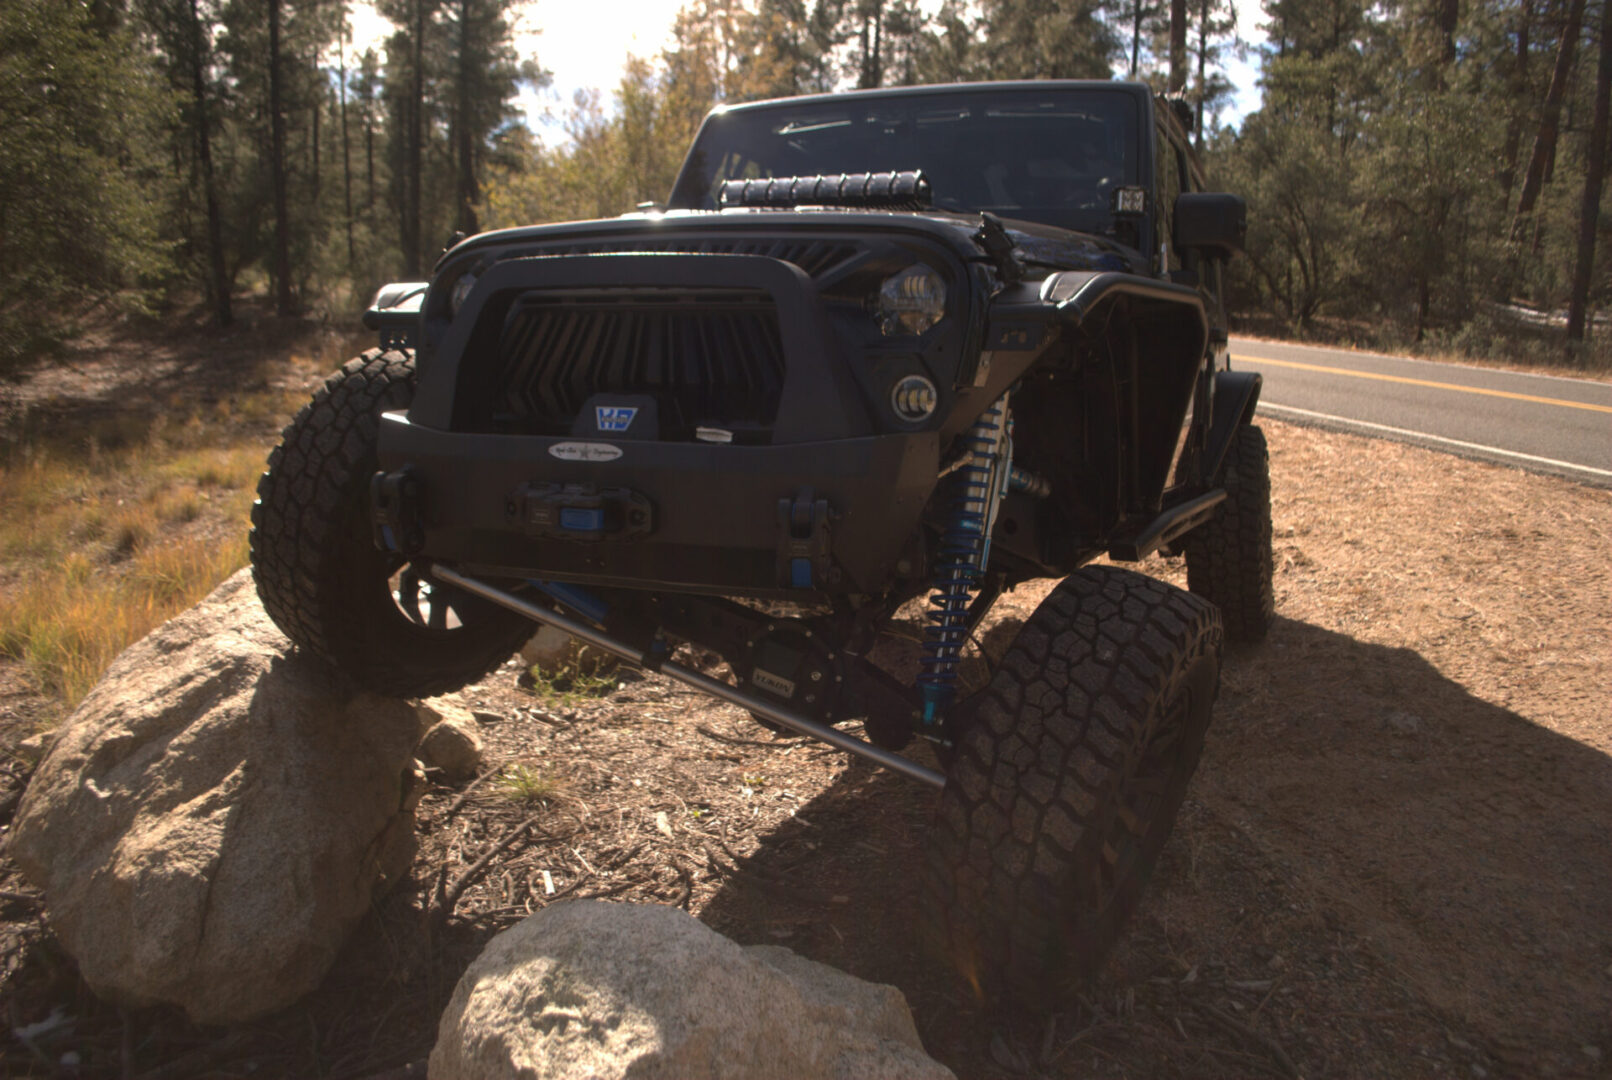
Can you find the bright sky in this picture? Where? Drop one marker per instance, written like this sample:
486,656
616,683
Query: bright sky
586,44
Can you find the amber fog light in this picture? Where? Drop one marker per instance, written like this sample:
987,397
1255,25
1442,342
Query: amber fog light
914,399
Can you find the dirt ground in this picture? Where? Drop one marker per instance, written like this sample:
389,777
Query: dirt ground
1393,861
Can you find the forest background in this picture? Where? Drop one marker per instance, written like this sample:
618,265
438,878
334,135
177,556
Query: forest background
1422,174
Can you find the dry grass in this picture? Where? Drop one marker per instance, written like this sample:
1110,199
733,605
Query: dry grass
524,783
67,625
113,519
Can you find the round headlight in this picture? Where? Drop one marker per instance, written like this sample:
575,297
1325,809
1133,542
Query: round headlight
912,301
461,289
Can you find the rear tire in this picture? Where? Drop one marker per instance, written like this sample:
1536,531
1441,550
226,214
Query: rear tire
1229,560
1066,784
318,572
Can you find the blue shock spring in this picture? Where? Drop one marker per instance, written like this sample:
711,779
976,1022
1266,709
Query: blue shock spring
964,549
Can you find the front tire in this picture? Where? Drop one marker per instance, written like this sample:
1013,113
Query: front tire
318,572
1066,784
1229,561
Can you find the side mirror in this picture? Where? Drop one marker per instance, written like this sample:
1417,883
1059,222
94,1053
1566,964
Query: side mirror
1211,223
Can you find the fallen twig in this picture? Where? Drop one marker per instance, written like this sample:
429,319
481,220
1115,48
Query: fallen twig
622,860
1253,1035
454,807
1263,1064
1266,999
450,896
609,890
731,741
1084,1033
688,886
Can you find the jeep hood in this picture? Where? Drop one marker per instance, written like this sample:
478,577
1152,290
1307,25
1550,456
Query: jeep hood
1035,244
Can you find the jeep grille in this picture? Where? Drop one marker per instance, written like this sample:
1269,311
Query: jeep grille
708,357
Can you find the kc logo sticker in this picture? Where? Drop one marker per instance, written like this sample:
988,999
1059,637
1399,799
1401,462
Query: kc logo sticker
614,417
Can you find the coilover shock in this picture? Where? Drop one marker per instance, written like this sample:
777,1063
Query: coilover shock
965,547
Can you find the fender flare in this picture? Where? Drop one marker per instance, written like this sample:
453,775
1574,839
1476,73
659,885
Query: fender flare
1235,398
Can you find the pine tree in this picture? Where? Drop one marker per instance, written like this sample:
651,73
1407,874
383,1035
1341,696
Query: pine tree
1046,39
410,93
80,113
1213,21
182,33
1594,176
484,75
271,51
1544,150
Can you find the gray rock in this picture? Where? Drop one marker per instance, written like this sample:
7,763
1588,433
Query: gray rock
556,653
453,742
599,990
216,816
36,746
549,649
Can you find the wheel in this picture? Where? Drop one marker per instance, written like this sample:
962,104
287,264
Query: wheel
1066,782
322,580
1229,556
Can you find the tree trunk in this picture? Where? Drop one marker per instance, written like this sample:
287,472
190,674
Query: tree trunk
1594,174
1178,45
218,278
1136,35
464,137
1448,14
318,107
277,171
878,44
1545,141
346,151
1204,7
1519,93
414,165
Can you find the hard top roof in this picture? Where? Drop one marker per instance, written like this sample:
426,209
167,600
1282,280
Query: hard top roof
1137,89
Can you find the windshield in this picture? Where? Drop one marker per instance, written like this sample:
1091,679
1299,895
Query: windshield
1051,155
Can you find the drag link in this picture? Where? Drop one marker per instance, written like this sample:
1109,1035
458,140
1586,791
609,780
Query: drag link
761,707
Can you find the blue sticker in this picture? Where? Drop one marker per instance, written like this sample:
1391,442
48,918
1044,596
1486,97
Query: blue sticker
614,417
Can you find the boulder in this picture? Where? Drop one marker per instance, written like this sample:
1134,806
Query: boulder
216,816
35,746
549,649
558,655
604,990
452,740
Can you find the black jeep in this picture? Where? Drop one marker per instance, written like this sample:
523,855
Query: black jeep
932,342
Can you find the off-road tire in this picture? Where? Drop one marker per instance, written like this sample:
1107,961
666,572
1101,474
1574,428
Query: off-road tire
1229,556
1066,784
318,572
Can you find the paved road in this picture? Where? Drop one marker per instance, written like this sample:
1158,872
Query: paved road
1540,422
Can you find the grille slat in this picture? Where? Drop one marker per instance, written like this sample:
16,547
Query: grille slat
708,357
814,257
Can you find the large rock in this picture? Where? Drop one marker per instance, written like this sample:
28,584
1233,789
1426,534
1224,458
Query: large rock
599,990
452,739
216,816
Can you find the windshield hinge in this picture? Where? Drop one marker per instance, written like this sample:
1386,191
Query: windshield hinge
993,239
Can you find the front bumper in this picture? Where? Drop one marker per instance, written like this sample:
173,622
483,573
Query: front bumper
721,518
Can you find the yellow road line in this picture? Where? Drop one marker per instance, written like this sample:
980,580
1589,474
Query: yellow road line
1425,382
